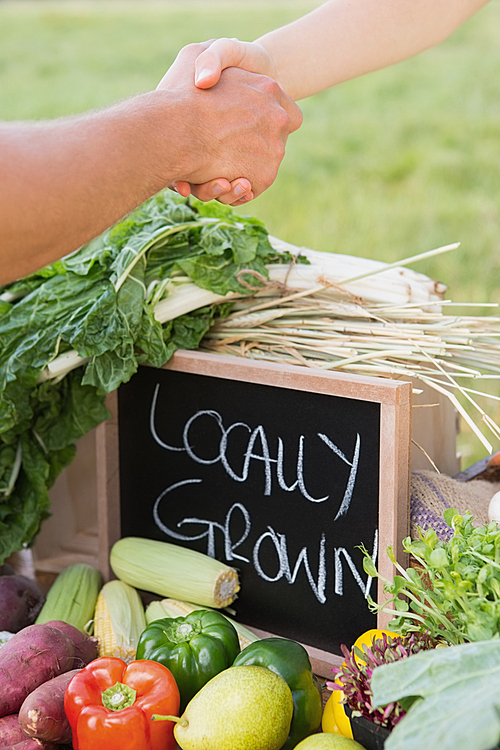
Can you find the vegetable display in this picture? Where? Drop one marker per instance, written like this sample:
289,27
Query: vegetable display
195,648
109,704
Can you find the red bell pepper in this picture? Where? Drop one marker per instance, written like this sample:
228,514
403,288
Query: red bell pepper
109,705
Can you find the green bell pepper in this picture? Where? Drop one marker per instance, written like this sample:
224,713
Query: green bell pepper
194,648
290,661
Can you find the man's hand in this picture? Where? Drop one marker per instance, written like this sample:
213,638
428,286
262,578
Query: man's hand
238,127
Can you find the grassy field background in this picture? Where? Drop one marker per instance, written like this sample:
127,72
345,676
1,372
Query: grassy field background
386,166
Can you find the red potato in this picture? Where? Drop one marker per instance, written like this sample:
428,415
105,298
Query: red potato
10,731
31,657
42,713
86,646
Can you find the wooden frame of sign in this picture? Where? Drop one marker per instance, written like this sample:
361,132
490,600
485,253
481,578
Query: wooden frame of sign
383,432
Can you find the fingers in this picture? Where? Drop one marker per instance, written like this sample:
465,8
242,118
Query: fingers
223,53
183,188
183,63
234,193
231,53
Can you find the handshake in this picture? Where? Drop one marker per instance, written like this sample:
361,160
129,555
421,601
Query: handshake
232,124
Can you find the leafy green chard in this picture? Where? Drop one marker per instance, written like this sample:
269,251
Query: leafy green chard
100,302
454,695
454,594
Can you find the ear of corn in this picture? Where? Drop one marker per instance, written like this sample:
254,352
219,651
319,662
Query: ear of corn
72,597
119,620
172,571
157,610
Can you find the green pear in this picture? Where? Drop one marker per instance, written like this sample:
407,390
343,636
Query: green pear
241,708
328,741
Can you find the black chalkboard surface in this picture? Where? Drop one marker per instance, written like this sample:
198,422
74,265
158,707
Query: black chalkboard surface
275,478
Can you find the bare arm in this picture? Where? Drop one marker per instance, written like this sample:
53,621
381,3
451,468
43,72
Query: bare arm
64,181
339,40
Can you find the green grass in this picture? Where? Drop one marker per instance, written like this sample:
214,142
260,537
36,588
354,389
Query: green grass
386,166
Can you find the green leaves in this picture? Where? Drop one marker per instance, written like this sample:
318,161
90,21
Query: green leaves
100,301
459,691
455,593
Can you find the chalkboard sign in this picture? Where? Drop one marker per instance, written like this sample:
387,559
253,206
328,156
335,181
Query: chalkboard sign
281,472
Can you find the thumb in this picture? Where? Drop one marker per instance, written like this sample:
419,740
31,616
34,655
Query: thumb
223,53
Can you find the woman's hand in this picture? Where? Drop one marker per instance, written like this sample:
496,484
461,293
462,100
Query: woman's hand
221,54
231,53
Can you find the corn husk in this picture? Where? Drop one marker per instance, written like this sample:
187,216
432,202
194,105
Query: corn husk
119,620
173,571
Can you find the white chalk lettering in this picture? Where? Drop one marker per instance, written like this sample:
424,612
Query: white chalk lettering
346,501
258,436
211,525
339,573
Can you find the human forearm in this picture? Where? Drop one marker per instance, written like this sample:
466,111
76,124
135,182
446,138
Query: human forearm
63,182
343,39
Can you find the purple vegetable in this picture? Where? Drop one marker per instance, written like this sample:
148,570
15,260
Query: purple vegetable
86,646
31,657
20,602
42,713
10,730
30,743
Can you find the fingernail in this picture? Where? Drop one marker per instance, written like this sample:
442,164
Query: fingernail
217,189
239,190
205,73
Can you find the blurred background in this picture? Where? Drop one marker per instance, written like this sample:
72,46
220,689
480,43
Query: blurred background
386,166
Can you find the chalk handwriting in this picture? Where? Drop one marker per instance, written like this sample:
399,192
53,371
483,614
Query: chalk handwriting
270,540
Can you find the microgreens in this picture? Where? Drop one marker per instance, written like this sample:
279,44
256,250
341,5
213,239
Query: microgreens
454,593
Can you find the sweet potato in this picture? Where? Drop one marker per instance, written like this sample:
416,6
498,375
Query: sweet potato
20,602
42,713
86,646
30,743
31,657
10,731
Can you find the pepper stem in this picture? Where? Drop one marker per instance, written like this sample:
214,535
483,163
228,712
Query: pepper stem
178,719
118,697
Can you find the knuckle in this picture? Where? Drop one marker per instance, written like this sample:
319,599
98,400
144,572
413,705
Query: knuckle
195,48
269,85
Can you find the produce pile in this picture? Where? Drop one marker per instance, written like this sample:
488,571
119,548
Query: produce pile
177,273
170,673
149,677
